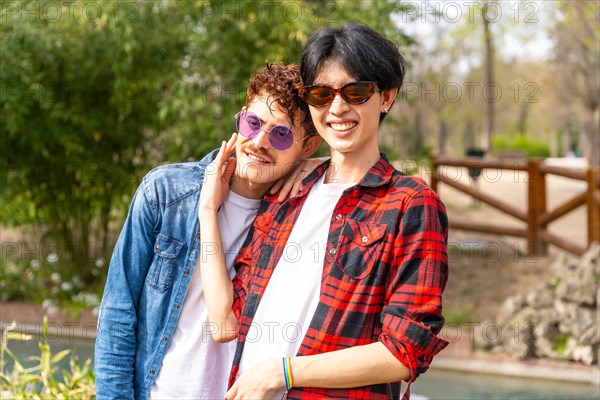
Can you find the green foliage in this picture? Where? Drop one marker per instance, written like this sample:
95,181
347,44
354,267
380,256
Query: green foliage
458,316
97,92
533,147
45,281
235,39
80,102
41,381
560,343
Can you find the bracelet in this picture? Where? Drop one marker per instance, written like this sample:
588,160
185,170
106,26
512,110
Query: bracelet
287,373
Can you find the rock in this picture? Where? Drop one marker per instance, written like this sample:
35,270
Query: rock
546,336
510,307
566,313
584,354
585,327
578,282
519,340
541,297
559,319
591,258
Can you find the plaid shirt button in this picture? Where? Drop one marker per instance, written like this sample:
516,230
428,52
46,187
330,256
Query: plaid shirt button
331,251
365,239
338,217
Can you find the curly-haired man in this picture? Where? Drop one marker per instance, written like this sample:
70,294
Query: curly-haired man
153,337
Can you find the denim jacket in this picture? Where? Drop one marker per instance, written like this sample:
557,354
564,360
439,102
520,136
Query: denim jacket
148,278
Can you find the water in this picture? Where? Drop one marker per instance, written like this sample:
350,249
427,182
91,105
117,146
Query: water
23,349
447,385
434,385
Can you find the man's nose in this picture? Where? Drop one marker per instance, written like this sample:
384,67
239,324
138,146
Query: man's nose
261,140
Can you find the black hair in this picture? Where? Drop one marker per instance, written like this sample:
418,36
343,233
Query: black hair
363,53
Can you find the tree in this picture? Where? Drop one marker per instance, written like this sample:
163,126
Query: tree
577,61
94,93
489,70
81,89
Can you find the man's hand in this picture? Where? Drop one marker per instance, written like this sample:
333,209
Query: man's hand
216,178
291,183
260,382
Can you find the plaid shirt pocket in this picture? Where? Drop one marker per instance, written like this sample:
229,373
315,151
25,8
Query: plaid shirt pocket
359,247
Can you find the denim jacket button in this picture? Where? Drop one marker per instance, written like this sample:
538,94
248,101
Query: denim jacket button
157,247
164,338
186,271
176,306
151,372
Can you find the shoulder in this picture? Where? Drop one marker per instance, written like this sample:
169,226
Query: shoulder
170,183
410,187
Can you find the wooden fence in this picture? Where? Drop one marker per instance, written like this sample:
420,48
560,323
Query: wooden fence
536,217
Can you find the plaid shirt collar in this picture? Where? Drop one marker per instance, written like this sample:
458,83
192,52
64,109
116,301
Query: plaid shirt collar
378,175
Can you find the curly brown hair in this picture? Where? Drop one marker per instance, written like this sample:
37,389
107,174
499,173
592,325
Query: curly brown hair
281,83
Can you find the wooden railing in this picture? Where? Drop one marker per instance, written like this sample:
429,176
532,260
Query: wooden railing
536,217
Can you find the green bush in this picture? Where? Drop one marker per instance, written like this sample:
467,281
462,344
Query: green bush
41,381
533,147
46,282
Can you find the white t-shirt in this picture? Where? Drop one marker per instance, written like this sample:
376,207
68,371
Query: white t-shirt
292,294
195,366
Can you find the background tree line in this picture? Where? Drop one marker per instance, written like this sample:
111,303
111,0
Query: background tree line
95,93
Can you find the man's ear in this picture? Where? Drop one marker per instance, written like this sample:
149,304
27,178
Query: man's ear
311,145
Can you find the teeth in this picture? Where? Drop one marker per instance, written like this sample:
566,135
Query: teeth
343,127
252,156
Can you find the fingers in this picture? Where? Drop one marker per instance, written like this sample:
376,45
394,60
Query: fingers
227,149
296,188
229,169
277,185
223,158
291,184
231,393
230,148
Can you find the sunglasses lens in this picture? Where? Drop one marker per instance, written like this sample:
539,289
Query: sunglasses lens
319,96
281,137
248,124
358,93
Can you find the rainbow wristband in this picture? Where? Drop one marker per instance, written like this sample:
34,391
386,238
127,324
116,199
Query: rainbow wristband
287,373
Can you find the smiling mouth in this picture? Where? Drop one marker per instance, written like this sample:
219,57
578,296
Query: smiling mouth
257,157
342,127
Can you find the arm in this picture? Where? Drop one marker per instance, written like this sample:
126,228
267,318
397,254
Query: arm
337,369
117,323
217,286
291,184
411,317
418,274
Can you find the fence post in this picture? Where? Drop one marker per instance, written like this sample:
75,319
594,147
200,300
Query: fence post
536,206
593,208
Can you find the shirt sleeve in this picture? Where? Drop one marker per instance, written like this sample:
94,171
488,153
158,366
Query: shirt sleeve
117,323
418,273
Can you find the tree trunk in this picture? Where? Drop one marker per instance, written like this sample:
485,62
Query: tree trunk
443,136
489,72
592,133
418,140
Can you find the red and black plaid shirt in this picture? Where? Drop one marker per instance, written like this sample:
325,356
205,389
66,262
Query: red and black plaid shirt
384,272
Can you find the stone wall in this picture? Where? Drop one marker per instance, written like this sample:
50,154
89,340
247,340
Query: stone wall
559,319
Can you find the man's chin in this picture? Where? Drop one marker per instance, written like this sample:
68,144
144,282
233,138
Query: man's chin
255,173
